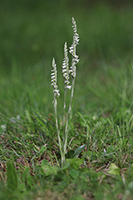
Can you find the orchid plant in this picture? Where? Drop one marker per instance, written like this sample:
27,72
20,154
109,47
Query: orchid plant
69,74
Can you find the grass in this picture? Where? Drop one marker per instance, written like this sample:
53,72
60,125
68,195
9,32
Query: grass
101,127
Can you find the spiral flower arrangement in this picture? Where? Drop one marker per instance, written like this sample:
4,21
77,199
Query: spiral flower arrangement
69,75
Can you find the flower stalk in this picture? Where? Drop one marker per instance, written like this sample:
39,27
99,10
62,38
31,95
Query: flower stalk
56,94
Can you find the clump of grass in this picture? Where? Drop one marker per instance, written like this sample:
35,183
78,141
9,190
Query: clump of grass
69,75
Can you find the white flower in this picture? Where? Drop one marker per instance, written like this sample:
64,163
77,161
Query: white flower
54,79
94,117
3,127
69,87
18,117
57,92
104,152
76,35
72,49
65,66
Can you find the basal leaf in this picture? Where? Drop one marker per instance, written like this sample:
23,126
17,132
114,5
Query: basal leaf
114,170
47,169
79,150
74,162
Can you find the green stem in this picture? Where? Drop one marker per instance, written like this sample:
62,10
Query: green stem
69,116
64,121
70,104
58,132
64,117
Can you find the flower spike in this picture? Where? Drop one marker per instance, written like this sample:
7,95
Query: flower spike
65,67
72,49
54,79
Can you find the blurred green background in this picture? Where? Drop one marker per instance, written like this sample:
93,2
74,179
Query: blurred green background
32,32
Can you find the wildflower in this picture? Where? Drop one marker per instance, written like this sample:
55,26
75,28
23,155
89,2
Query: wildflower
54,79
66,74
72,49
3,126
65,67
94,117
